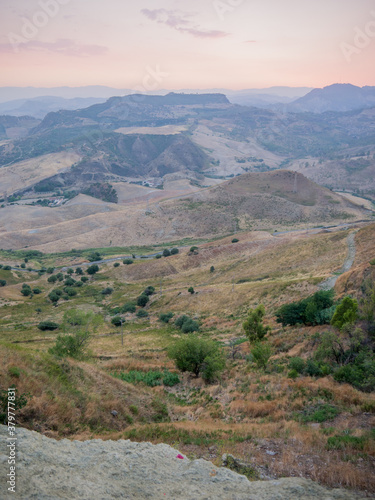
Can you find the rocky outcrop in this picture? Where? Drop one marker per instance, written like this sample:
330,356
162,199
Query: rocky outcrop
50,469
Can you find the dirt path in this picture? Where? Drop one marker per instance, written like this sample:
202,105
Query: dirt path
331,282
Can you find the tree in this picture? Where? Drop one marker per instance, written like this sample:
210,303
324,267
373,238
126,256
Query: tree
26,290
150,290
52,279
261,352
166,317
50,270
175,251
3,283
198,356
107,291
79,271
187,324
191,290
70,271
73,346
127,262
346,313
194,250
116,264
117,321
142,300
142,313
212,269
235,240
166,252
129,307
93,269
253,326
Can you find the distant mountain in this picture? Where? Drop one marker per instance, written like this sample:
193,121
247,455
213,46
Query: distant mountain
248,97
12,127
39,107
337,97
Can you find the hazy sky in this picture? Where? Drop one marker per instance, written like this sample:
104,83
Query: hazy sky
187,43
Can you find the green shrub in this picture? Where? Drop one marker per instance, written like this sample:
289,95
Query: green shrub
142,314
194,250
37,291
71,292
346,313
117,321
191,290
129,307
7,268
319,413
235,240
48,326
253,326
166,252
93,269
212,269
107,291
346,441
186,324
13,371
52,279
142,300
297,364
54,297
198,356
134,409
84,279
158,256
73,346
175,251
150,290
316,310
166,317
293,374
116,264
3,283
69,282
94,257
261,352
127,262
50,270
79,271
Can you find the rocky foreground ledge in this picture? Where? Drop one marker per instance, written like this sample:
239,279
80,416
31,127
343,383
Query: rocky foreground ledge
50,469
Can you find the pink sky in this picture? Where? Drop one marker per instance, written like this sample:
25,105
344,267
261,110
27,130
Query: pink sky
195,44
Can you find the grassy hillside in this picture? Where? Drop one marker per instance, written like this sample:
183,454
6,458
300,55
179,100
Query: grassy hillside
281,423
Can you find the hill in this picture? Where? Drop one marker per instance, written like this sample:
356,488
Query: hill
279,200
337,97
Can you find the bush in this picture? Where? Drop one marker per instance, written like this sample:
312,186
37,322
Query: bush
166,252
142,300
7,268
48,326
186,324
346,441
175,251
346,313
93,269
50,270
23,266
37,291
78,284
293,374
142,314
235,240
194,250
127,262
94,257
116,264
84,279
129,307
71,292
360,374
52,279
26,290
253,326
198,356
69,282
117,321
166,317
73,346
3,283
79,271
70,271
319,413
212,269
158,256
150,290
297,364
191,290
261,353
54,297
316,310
107,291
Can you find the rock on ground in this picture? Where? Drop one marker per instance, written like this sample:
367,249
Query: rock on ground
100,470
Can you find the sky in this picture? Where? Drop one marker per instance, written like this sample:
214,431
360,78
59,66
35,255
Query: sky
182,44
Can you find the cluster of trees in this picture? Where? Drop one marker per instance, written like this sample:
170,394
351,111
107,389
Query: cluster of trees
315,310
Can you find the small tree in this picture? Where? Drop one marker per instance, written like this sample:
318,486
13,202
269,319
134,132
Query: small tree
79,271
73,346
212,269
48,326
166,252
142,300
116,264
117,321
253,326
194,250
127,262
191,290
198,356
129,307
175,251
261,352
3,283
346,313
52,279
70,271
93,269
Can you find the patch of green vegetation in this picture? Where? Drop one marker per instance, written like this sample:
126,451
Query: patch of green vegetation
150,378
